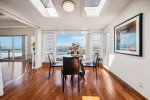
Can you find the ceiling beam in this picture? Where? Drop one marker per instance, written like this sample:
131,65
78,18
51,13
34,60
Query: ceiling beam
4,9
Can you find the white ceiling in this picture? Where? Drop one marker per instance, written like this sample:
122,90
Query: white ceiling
69,21
7,22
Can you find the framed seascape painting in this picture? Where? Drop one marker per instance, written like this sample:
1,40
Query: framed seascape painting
128,36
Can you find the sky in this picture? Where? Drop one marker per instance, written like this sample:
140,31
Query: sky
68,39
6,42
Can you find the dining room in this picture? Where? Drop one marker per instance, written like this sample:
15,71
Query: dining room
74,49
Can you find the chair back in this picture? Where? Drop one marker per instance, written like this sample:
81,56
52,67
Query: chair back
70,65
51,58
95,59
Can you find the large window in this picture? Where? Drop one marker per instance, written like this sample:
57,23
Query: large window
6,47
60,44
65,41
11,47
17,47
96,41
48,44
106,48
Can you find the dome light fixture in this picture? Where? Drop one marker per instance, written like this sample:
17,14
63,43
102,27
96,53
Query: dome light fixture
68,6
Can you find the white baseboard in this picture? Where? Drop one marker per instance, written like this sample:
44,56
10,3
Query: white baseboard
105,66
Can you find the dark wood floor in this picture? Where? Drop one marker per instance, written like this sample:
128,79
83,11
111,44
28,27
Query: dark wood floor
34,85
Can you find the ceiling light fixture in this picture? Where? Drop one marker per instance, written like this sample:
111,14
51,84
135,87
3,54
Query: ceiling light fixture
68,6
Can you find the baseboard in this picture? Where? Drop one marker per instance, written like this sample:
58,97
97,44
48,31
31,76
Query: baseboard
125,84
106,67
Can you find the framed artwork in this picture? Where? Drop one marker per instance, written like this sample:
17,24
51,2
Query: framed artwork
128,36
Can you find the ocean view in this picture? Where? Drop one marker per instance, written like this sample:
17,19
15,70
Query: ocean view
61,50
7,53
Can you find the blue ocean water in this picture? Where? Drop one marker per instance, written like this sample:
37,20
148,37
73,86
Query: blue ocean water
62,50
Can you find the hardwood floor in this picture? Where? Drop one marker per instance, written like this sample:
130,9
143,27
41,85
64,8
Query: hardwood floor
11,70
34,85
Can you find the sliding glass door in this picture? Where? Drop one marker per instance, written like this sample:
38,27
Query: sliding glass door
6,48
18,47
11,48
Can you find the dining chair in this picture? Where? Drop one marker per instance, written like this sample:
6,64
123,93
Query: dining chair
52,63
70,67
93,65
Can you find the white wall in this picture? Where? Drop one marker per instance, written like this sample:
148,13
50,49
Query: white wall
132,69
17,31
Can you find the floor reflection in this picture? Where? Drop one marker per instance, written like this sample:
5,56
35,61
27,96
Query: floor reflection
11,70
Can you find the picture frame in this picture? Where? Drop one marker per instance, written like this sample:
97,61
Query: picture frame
128,36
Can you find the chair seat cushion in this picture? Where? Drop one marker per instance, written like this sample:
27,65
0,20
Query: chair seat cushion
89,65
57,64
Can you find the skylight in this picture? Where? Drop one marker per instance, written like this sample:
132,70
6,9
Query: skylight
93,10
45,7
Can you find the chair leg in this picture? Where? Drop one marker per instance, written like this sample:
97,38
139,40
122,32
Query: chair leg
53,69
71,78
63,82
61,72
49,72
78,83
96,71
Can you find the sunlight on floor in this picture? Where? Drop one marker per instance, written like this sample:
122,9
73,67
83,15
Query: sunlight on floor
90,98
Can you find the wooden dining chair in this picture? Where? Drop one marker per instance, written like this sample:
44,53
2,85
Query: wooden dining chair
70,67
52,63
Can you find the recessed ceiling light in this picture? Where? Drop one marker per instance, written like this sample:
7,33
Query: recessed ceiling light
68,6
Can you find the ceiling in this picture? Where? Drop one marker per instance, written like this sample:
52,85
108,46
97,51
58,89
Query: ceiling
7,22
69,21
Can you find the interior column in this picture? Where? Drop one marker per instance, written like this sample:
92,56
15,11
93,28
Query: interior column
38,49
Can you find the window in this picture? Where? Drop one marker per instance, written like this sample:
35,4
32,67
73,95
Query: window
12,47
48,45
64,41
6,47
96,43
45,7
17,47
92,8
106,48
